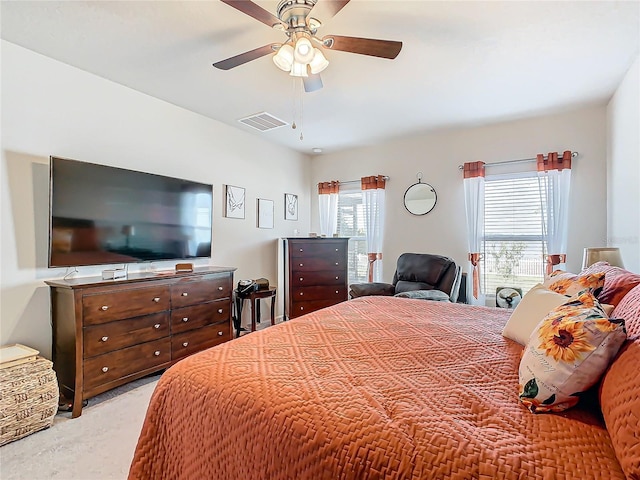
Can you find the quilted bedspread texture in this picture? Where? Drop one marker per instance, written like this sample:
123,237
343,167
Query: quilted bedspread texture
373,388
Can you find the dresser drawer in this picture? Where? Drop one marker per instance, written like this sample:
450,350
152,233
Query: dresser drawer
190,292
314,264
187,343
196,316
114,365
303,279
302,308
115,305
99,339
336,293
316,248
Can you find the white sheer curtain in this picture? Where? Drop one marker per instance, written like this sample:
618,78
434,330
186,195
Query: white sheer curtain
556,173
373,200
474,207
328,205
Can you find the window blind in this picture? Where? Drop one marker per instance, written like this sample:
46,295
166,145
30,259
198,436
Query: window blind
513,246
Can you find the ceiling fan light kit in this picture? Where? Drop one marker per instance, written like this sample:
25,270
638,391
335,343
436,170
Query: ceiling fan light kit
298,19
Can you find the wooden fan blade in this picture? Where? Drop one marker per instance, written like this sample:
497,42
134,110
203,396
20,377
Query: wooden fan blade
323,10
312,83
364,46
245,57
249,8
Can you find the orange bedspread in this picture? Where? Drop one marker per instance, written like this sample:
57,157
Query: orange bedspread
377,387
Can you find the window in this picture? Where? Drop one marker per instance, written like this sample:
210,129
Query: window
351,224
513,247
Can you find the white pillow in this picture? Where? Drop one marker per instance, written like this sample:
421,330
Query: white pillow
534,306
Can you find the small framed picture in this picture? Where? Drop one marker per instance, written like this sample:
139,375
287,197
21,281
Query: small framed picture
290,206
265,213
234,202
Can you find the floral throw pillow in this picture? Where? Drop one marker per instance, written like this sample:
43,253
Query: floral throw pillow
567,353
569,284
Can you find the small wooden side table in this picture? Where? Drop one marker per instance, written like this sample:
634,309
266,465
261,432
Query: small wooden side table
254,304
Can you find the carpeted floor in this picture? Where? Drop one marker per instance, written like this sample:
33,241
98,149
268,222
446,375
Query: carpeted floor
98,445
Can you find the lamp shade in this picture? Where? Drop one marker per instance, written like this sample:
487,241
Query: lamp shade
602,254
303,53
319,62
299,70
284,58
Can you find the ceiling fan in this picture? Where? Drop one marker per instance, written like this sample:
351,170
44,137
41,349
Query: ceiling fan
301,54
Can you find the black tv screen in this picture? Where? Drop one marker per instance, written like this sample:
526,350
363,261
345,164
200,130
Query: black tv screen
106,215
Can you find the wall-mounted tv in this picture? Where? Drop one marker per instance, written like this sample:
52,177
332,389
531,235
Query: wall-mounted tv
105,215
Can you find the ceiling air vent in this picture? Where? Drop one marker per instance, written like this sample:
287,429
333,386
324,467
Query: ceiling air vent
263,121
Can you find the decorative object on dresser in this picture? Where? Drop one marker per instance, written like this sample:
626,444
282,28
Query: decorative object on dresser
315,274
28,392
107,333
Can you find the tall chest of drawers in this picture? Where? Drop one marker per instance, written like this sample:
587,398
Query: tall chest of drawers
315,274
107,333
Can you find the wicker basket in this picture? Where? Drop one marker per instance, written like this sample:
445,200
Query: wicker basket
28,399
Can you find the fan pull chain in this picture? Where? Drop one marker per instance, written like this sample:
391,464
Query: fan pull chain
293,103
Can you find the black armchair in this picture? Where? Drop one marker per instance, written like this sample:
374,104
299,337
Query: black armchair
438,275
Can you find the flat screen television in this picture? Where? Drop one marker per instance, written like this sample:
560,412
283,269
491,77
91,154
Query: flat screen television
105,215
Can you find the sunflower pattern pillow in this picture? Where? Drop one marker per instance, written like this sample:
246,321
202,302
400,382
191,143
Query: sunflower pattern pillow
567,353
569,284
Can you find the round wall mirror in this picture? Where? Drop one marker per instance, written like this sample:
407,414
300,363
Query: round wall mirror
420,198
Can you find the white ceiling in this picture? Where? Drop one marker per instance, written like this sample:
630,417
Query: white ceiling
462,63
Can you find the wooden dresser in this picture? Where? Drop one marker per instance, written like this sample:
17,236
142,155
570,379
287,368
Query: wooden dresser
315,274
107,333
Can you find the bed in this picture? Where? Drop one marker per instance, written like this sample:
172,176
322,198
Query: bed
381,387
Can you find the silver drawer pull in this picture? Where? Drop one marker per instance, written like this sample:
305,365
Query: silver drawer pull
156,299
156,353
302,264
104,339
185,319
337,291
301,293
105,369
220,310
301,308
301,250
185,294
337,263
337,278
220,288
157,325
184,344
301,279
220,334
336,249
104,308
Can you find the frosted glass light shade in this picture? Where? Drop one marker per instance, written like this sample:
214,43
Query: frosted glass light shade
303,53
319,62
284,58
602,254
299,70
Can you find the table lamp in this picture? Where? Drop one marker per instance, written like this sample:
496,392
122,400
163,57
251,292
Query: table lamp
602,254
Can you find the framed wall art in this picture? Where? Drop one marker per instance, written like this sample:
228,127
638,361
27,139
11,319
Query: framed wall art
265,213
234,202
290,206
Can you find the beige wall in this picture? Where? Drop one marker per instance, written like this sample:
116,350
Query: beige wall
438,155
49,108
623,169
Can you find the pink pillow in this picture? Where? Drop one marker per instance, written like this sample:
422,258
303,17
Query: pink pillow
629,310
617,282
